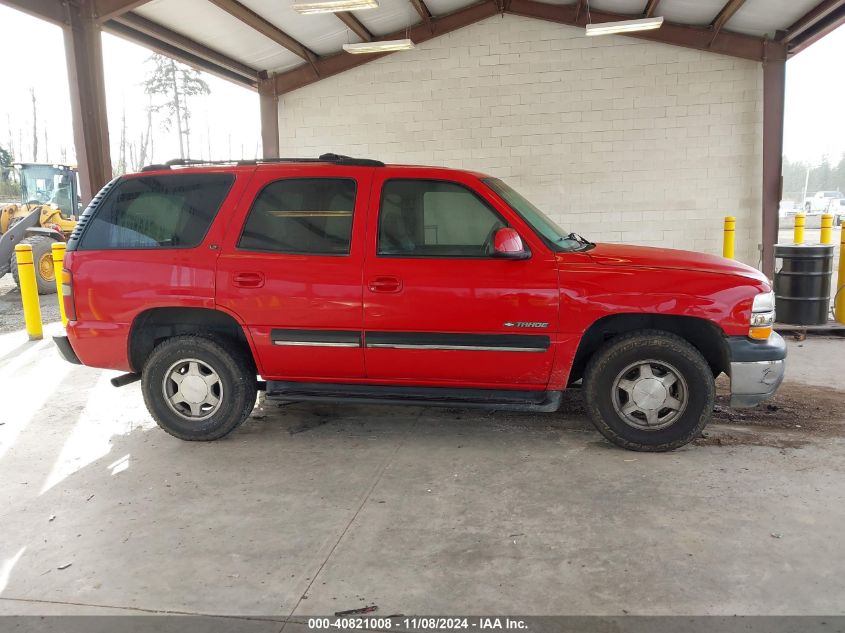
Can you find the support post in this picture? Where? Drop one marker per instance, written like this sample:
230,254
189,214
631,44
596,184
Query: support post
84,54
798,229
826,236
59,249
29,291
269,103
729,237
839,297
774,81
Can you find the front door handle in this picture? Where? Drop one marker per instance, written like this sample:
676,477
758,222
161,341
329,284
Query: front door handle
248,280
385,284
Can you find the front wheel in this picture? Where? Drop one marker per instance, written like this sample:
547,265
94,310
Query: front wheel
198,389
649,391
808,207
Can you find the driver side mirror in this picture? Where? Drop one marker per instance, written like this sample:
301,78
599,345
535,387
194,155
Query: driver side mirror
507,244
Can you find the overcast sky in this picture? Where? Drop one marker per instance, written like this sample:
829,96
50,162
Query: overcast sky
227,123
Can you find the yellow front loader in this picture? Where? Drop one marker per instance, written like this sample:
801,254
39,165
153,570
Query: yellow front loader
46,214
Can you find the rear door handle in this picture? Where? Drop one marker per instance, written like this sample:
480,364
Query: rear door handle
248,280
385,284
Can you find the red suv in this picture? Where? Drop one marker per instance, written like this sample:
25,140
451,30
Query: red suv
348,280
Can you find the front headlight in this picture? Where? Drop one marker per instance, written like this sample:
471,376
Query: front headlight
762,316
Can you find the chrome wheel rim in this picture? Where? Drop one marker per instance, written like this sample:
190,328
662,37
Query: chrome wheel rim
192,389
650,395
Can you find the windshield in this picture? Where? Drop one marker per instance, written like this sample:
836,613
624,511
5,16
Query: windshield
46,184
555,237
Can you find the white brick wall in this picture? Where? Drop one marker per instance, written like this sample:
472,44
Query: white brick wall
616,138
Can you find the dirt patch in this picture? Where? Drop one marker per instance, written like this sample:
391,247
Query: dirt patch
720,436
808,408
797,415
11,311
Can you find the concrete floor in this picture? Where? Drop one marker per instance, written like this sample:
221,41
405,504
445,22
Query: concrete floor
309,509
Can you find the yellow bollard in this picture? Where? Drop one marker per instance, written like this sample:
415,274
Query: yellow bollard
58,264
839,303
29,291
799,229
729,240
827,229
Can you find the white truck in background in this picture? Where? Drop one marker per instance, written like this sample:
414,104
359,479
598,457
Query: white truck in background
825,202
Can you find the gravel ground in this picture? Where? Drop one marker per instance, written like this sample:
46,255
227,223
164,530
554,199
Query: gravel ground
11,313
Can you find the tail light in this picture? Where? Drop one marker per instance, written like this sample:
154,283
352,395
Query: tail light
67,294
762,316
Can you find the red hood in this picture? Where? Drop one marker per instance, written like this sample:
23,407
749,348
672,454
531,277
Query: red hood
668,258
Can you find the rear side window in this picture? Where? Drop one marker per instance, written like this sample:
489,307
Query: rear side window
305,216
170,211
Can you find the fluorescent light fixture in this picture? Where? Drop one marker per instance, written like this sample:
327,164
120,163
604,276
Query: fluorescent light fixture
334,6
624,26
385,46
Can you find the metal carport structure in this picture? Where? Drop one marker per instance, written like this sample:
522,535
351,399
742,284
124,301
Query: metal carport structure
266,46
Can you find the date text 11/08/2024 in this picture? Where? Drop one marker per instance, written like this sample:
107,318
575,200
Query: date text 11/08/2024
418,623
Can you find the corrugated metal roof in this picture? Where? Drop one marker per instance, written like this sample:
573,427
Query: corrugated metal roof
391,16
325,34
764,17
205,23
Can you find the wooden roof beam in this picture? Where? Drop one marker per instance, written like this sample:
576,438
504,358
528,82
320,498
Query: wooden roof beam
424,13
161,39
727,12
820,13
695,37
332,65
354,25
105,10
650,8
268,30
831,21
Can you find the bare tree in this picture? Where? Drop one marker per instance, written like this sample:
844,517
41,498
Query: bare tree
121,160
175,83
9,130
34,125
141,152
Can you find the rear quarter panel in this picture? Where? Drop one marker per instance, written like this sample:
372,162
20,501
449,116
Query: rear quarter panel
111,287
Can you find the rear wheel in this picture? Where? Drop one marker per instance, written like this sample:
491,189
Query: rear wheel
649,391
42,256
807,207
197,388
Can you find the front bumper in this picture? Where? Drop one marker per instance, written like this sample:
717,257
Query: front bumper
66,350
757,369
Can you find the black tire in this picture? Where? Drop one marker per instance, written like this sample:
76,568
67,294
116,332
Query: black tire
808,207
237,387
42,256
608,363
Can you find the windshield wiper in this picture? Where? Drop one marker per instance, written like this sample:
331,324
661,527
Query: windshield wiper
581,240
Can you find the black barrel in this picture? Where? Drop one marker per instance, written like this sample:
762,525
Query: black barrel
802,283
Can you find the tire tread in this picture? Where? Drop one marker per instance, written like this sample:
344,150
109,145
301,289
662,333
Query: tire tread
597,368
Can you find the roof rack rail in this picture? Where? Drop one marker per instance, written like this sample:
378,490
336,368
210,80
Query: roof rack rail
336,159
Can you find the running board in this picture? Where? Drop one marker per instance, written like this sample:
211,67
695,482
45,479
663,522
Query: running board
499,399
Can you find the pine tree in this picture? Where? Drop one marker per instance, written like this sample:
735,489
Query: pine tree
175,83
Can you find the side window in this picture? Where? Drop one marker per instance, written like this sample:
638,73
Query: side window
310,216
429,218
170,211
